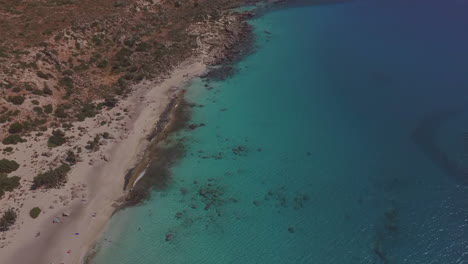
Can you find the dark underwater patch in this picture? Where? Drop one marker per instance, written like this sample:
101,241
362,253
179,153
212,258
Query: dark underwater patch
424,136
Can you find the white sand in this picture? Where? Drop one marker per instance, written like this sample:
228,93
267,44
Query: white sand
96,187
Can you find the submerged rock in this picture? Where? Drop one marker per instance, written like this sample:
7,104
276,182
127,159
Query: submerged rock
179,215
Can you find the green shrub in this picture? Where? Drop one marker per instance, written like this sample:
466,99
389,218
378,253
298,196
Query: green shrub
67,82
93,145
52,178
57,138
8,149
8,219
28,87
68,72
102,64
37,109
81,67
110,102
37,91
97,40
47,91
13,140
16,128
48,109
88,110
71,157
7,166
4,118
42,75
143,46
35,123
35,212
60,112
17,99
8,184
35,102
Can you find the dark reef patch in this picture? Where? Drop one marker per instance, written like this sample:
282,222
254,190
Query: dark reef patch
165,150
161,155
158,173
425,137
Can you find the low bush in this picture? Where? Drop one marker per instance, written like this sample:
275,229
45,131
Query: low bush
88,110
8,184
102,64
52,178
68,84
8,149
13,140
16,128
42,75
71,157
60,112
110,101
48,109
7,166
47,91
16,100
35,212
8,219
37,91
57,138
38,110
67,72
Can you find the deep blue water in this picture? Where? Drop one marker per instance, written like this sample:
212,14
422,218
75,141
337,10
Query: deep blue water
340,140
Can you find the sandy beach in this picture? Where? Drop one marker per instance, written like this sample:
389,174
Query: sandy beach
95,184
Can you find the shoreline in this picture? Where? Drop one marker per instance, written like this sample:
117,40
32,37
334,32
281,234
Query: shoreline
105,181
100,178
175,117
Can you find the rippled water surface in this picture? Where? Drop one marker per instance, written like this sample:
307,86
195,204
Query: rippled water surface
342,139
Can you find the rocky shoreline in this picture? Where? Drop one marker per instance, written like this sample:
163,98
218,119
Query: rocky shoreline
238,43
221,40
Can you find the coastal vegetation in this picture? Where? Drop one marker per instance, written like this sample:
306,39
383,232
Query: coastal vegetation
82,65
8,219
7,166
48,109
112,47
57,139
51,179
16,128
13,140
8,184
88,110
16,100
8,149
93,145
35,212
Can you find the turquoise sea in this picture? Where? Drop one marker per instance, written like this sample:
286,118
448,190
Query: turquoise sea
341,139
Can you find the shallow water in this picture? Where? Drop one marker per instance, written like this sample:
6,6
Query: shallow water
340,140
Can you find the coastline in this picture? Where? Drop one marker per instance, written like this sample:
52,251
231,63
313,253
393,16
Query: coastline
104,179
96,186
